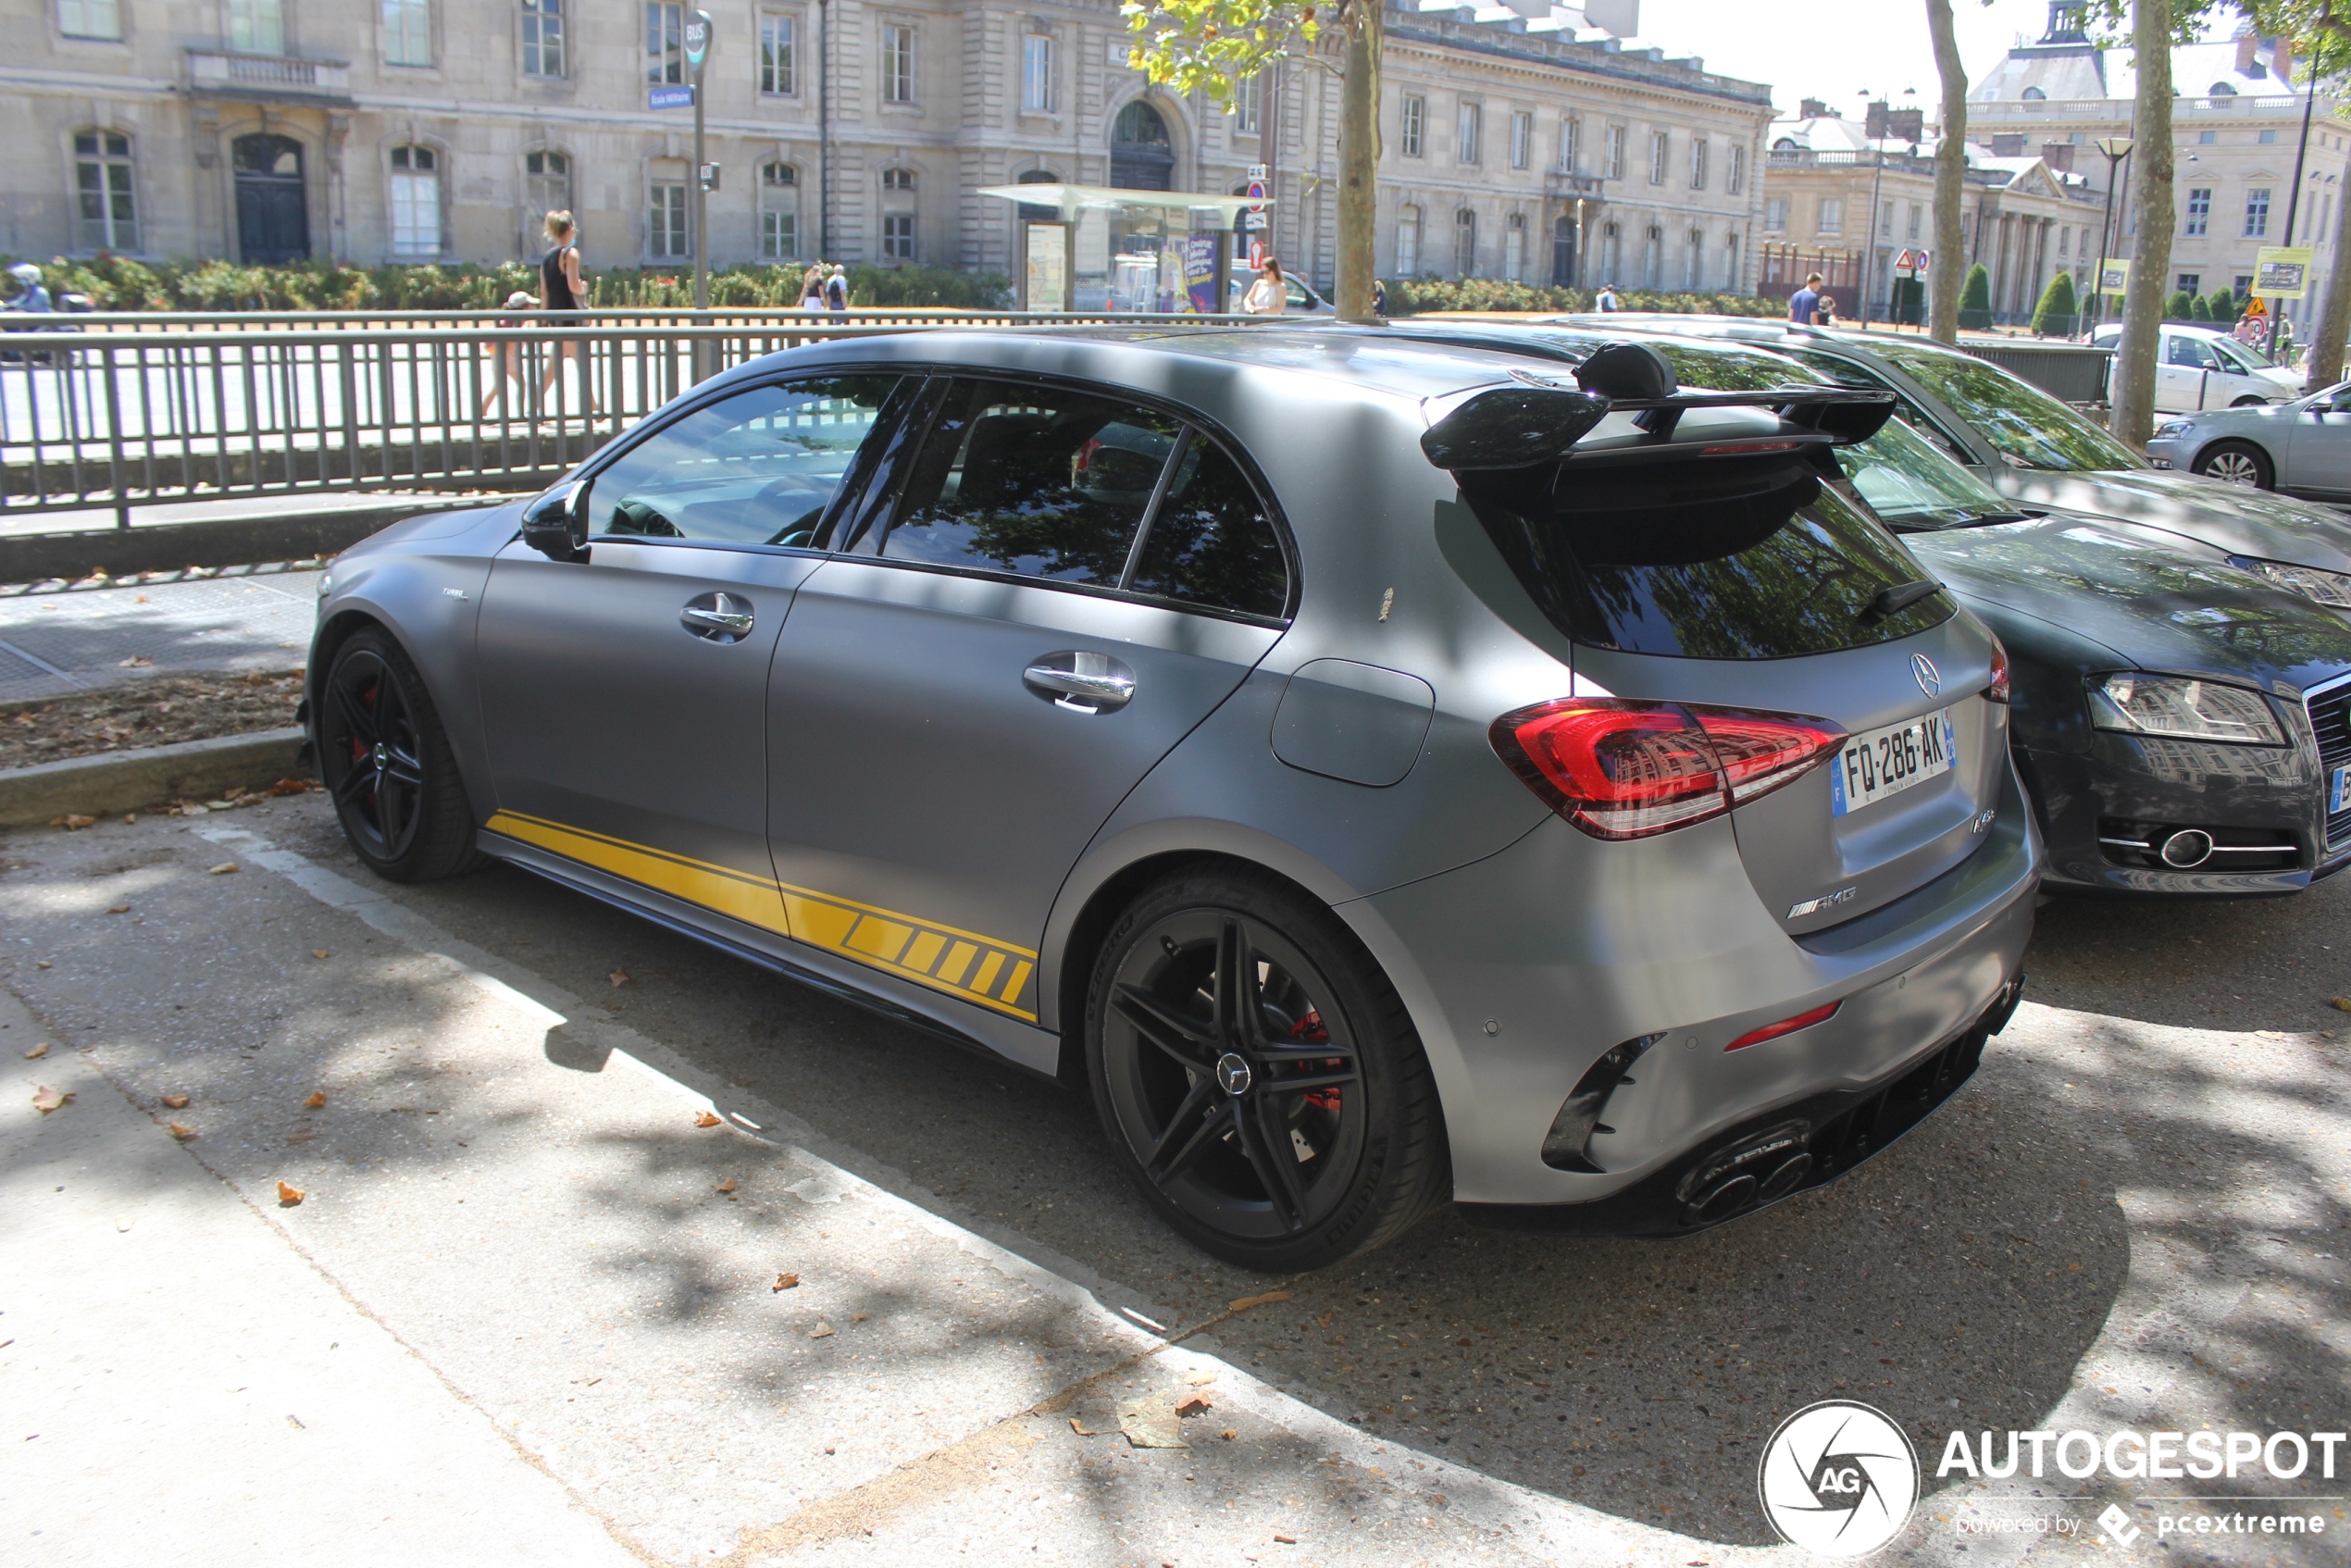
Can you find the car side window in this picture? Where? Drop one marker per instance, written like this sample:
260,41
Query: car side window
1211,542
2192,353
758,468
1036,482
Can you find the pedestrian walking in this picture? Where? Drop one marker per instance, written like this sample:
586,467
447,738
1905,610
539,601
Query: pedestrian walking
508,354
1826,315
812,287
1379,298
564,289
1607,302
1270,294
837,291
1805,304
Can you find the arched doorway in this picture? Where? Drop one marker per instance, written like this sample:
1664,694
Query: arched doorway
1142,155
273,205
1563,252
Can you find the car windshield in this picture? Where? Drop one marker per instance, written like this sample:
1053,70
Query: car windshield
2024,424
1914,488
2235,358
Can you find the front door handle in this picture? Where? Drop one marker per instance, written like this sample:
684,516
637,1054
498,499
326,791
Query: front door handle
719,617
1081,680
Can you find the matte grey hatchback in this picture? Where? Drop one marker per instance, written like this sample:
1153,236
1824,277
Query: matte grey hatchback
1384,774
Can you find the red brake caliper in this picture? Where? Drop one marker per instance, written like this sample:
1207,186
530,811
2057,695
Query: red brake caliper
1310,1030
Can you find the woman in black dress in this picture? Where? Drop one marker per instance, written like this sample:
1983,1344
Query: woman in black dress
564,293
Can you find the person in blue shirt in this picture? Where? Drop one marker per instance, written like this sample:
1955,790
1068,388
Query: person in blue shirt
27,293
1607,300
1805,305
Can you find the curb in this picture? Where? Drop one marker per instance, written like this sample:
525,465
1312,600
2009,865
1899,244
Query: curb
228,541
114,781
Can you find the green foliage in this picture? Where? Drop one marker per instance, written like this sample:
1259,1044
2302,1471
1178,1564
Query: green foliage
2053,317
1207,45
1975,299
2181,306
2223,306
2199,308
1909,302
1414,296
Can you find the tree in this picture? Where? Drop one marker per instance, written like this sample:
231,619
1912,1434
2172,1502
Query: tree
2221,308
2199,308
2053,317
1945,310
1974,311
1208,45
2180,306
2132,416
2322,31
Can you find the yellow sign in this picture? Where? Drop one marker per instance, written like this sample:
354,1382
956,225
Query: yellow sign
2282,271
2256,307
2114,277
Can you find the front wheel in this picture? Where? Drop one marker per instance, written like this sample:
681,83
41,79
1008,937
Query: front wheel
2236,462
388,766
1258,1077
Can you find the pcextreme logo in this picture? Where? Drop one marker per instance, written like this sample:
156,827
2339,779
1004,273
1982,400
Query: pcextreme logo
1838,1479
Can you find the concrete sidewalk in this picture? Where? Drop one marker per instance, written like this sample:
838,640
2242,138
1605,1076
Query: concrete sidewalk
56,638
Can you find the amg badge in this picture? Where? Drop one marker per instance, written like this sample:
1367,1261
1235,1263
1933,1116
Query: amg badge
1814,906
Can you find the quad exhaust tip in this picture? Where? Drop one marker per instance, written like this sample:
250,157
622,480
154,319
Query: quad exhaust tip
2188,848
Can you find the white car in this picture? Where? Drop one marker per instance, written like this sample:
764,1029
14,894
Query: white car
2198,367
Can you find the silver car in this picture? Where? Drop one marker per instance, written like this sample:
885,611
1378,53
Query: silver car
2301,448
1381,773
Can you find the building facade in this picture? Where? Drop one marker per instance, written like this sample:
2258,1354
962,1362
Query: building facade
1525,142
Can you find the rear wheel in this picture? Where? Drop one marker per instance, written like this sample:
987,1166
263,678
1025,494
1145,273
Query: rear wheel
388,766
1258,1077
2238,462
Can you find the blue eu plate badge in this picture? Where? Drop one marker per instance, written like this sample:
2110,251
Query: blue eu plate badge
2338,791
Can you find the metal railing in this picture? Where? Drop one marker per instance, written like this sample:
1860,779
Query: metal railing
221,408
778,318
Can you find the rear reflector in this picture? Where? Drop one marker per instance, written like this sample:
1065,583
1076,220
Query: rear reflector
1998,692
1786,1026
1623,769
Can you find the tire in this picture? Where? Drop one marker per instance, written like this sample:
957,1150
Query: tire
2238,462
1200,1094
388,766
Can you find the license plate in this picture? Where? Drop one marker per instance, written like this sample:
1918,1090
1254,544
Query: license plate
2339,790
1886,762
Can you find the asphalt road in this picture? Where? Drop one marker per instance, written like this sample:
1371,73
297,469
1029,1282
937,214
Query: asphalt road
2133,1216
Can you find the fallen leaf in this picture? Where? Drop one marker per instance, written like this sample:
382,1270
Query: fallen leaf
316,1101
706,1119
224,869
45,1099
120,909
785,1282
1084,1431
618,976
859,1318
1286,1540
130,816
1461,1342
1266,1299
1575,1469
180,1130
318,952
175,1102
727,1186
1228,1434
293,785
136,661
73,822
37,1051
822,1331
289,1195
1150,1422
2342,1003
1191,1404
1324,1320
41,963
1200,1379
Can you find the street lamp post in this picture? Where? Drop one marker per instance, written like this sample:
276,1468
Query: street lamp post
2294,196
2116,149
1880,121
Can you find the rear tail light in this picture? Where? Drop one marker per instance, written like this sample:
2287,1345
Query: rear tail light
1622,769
1786,1026
1998,691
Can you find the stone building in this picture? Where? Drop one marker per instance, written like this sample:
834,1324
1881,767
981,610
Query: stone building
1531,141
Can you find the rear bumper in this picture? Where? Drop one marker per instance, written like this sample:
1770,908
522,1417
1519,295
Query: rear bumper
2093,806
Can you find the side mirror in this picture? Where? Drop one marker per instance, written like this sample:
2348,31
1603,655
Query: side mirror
554,525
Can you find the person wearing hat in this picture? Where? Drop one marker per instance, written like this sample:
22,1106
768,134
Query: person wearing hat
507,352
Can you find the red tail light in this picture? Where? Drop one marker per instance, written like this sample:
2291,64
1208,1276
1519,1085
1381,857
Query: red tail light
1998,691
1622,769
1786,1026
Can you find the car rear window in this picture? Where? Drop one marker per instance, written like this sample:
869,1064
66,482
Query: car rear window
2025,424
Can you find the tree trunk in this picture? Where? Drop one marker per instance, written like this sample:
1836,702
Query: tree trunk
1358,160
2335,312
2133,419
1950,182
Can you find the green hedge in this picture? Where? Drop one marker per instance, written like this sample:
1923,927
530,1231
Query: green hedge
1412,297
115,283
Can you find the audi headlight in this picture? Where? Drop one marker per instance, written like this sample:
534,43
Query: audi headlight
2183,709
2314,583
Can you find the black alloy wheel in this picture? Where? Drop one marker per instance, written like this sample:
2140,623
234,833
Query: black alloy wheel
1258,1076
388,766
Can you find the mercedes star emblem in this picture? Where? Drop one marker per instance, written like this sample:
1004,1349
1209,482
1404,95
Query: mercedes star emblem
1930,678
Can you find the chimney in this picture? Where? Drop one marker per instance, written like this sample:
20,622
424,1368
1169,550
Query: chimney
2008,144
2282,59
1811,109
2057,156
2248,42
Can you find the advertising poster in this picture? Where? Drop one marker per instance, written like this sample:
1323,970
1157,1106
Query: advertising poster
1048,280
1199,275
2282,272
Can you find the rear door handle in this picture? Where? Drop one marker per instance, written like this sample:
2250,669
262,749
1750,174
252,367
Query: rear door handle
719,617
1081,680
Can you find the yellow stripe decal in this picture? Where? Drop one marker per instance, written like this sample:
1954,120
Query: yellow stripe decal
903,945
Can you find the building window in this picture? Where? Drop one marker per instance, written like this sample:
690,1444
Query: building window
1775,214
1734,172
779,67
1522,138
2189,283
1408,241
543,37
2065,240
2206,138
90,19
2268,138
1612,165
1570,143
779,212
2257,212
1697,163
257,27
102,180
898,236
1918,215
1464,243
2199,209
897,179
1693,262
1730,264
408,32
546,179
1467,130
2242,285
416,202
1653,258
1885,220
1660,150
1415,117
1832,215
665,44
898,62
1514,248
666,234
1037,74
1248,105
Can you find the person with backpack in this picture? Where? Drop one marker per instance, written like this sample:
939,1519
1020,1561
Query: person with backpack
837,291
1606,302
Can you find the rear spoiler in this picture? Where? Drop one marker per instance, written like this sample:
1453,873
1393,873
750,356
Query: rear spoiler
1537,423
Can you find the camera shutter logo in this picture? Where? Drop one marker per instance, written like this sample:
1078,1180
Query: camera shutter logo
1838,1479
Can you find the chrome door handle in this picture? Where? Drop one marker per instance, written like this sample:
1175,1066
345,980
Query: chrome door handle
719,617
1081,680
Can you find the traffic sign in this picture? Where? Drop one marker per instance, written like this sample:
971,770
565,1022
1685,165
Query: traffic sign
1259,173
1252,221
1256,255
669,98
697,39
1257,196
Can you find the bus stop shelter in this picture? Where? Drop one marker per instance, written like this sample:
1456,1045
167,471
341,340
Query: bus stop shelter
1103,247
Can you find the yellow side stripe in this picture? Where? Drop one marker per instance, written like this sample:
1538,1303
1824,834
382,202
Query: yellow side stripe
750,899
